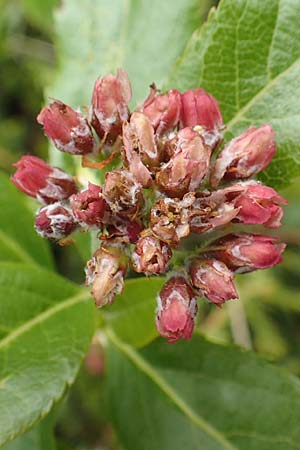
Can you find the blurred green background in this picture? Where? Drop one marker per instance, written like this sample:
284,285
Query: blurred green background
267,319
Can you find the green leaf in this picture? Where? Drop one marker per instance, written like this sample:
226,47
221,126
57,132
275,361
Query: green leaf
39,438
199,395
248,56
46,324
18,239
132,314
97,37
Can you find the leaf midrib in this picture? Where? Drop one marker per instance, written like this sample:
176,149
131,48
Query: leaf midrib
17,332
163,385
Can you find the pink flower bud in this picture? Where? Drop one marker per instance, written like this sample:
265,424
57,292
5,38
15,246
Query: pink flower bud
88,206
163,110
140,151
169,219
37,179
105,273
213,279
245,155
123,194
246,252
68,129
176,310
110,100
151,256
54,221
187,168
202,109
259,204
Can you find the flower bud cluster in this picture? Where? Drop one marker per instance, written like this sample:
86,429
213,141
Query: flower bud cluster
171,183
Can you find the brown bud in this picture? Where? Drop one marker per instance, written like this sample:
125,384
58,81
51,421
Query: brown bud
105,273
140,151
151,256
214,209
123,194
169,218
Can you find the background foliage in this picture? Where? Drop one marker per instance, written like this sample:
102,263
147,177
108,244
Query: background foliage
134,391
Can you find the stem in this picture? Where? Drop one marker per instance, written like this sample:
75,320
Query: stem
239,324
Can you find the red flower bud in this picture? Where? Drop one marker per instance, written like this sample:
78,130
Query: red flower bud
213,279
246,252
202,109
163,110
169,218
176,310
188,166
110,100
123,193
151,256
68,129
259,204
105,273
37,179
88,206
54,221
140,151
245,155
123,228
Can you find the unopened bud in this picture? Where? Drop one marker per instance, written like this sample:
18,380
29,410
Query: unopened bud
188,166
176,310
54,221
259,204
105,273
88,206
213,279
163,110
200,109
245,155
140,151
246,252
68,129
151,256
169,218
110,100
123,193
37,179
123,229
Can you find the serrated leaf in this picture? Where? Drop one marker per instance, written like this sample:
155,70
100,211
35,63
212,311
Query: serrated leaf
46,324
199,395
95,38
132,316
248,56
18,239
